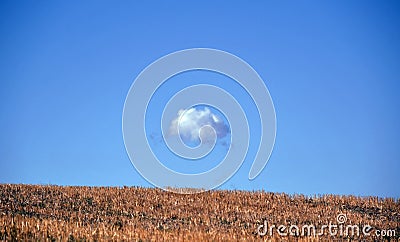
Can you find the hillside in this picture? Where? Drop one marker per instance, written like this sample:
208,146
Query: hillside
33,212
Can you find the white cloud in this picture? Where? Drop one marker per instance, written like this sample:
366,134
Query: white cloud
190,122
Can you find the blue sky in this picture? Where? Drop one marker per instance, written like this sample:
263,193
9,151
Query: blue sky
331,67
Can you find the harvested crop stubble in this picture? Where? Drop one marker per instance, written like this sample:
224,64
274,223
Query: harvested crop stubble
31,212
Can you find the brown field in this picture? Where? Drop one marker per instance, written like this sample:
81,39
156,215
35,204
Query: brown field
46,213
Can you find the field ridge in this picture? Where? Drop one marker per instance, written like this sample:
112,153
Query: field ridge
80,213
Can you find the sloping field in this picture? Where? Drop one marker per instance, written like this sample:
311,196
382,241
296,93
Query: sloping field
30,212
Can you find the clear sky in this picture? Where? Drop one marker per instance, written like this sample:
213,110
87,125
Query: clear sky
331,67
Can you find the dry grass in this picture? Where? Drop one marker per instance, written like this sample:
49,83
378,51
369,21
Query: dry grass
30,212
